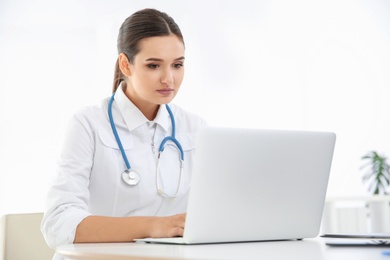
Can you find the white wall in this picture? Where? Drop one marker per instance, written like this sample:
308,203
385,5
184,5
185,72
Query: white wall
311,65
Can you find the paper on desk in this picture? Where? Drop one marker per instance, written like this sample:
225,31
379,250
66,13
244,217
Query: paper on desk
366,239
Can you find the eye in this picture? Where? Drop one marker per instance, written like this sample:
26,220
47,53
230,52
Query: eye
178,65
152,66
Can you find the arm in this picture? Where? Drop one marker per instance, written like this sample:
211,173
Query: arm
68,218
125,229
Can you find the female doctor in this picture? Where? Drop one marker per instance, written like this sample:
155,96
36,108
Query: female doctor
125,166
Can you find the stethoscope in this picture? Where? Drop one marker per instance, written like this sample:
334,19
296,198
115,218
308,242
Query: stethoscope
132,177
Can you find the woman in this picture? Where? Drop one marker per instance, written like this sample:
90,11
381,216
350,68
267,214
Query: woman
113,185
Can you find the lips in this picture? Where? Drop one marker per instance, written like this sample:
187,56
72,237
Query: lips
165,92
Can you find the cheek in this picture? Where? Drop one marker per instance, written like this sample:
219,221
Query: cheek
144,80
179,76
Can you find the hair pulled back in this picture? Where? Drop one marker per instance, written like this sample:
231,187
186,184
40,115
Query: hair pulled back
142,24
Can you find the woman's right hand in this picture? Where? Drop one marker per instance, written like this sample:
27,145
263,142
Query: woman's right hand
170,226
99,229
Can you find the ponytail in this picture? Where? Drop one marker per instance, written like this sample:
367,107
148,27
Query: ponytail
118,78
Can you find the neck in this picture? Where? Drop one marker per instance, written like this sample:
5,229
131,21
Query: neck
148,109
150,113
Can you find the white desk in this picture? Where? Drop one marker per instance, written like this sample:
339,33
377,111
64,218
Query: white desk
308,249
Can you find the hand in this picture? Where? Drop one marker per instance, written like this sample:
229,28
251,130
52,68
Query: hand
171,226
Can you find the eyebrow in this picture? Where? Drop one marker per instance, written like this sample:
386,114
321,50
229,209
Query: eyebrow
157,59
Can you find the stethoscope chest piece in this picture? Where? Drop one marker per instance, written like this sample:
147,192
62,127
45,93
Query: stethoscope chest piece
130,177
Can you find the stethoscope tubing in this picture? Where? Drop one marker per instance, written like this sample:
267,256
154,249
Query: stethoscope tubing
118,140
162,145
173,135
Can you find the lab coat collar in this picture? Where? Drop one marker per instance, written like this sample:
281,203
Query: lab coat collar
133,116
162,118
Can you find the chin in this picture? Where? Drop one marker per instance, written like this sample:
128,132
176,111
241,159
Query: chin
165,100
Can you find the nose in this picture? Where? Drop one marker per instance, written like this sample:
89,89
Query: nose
167,77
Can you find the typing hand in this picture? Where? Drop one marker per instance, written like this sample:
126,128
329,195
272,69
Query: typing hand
171,226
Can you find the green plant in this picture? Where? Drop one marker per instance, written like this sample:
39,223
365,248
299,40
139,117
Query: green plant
377,175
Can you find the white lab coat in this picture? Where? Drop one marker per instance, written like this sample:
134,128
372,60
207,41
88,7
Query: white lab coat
89,178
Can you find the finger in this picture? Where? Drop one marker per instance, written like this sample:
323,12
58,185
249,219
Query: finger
176,232
179,220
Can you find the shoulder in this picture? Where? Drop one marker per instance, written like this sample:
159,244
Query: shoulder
93,114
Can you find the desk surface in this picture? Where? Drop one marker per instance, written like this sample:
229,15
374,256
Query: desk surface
307,249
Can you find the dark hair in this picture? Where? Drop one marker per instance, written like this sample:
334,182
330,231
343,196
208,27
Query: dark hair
142,24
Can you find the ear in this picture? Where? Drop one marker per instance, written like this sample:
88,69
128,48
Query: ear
124,65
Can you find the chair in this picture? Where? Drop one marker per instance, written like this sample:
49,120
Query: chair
22,238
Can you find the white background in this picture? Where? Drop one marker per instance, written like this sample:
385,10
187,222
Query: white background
307,65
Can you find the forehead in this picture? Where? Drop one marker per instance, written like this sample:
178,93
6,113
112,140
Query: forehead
164,47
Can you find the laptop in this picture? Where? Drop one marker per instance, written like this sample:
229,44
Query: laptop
256,185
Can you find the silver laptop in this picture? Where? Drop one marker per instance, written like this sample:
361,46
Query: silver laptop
256,185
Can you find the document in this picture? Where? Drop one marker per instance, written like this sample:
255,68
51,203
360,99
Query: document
361,239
